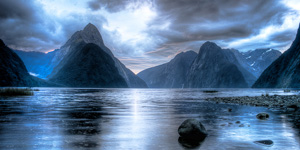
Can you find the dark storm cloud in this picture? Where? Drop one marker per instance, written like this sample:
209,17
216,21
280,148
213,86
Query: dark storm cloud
24,25
115,5
16,9
111,6
192,22
215,19
284,36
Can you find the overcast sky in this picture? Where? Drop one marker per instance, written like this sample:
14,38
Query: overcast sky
146,33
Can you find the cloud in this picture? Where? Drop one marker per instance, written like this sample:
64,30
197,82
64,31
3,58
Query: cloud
111,6
150,29
215,20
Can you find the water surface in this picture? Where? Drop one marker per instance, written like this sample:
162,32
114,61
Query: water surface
62,118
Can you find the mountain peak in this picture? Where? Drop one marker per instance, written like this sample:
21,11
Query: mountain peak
210,45
90,27
91,34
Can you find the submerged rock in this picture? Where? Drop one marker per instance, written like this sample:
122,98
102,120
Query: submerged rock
192,129
262,116
264,142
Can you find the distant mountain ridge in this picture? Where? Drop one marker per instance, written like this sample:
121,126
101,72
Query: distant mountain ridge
256,61
13,72
174,75
169,75
284,72
37,62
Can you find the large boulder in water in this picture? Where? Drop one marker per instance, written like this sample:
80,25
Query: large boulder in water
192,129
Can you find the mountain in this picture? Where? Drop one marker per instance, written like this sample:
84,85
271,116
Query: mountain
256,61
284,72
169,75
13,72
36,62
212,68
87,65
90,34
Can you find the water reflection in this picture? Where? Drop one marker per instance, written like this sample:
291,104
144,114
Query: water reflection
190,144
83,121
137,119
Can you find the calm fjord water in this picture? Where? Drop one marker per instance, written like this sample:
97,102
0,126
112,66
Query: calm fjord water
62,118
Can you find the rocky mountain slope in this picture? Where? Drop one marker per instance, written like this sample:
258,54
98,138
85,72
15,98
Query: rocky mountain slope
87,65
169,75
212,68
90,34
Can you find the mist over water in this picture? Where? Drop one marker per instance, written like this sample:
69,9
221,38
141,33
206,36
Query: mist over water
70,118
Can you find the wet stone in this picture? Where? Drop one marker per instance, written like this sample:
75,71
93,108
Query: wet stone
262,116
192,129
264,142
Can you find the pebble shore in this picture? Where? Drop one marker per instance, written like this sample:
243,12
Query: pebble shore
274,101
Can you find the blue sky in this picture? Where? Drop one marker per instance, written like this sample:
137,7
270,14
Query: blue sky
146,33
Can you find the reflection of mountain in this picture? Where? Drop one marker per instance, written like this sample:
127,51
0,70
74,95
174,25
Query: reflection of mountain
171,74
13,71
213,68
82,121
284,72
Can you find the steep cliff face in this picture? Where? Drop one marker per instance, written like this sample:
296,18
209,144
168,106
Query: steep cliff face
169,75
88,66
284,72
13,72
249,77
213,69
90,34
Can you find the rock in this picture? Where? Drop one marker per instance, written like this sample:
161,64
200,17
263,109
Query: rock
237,122
241,125
262,116
192,129
264,142
229,109
290,109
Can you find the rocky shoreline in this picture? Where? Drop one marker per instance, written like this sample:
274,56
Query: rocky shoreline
288,104
274,101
